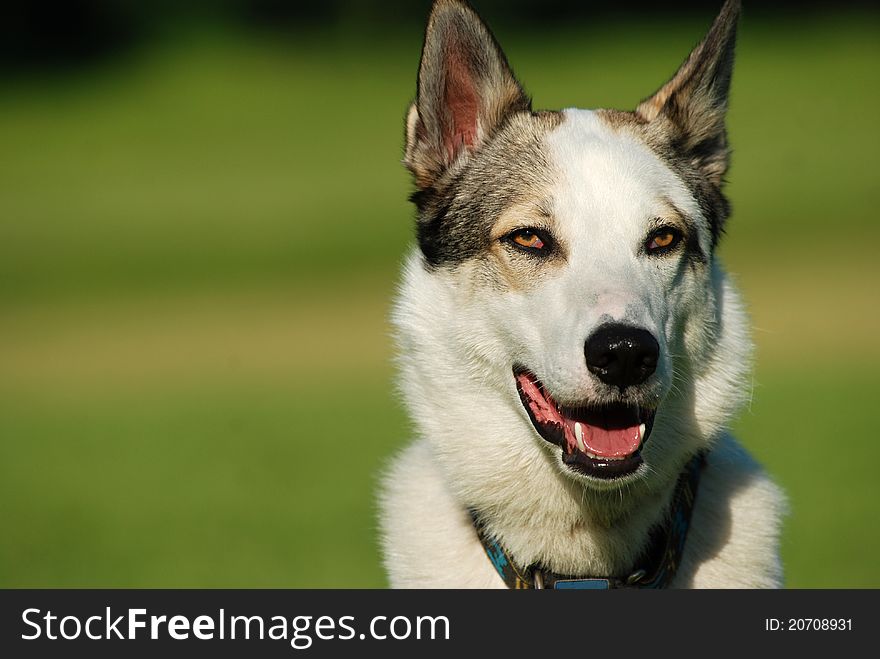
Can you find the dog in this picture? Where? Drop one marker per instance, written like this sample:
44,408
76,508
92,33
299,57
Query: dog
571,350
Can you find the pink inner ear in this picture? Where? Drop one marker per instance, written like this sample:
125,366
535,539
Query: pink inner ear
463,106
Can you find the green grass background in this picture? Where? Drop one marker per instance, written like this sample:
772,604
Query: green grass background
199,243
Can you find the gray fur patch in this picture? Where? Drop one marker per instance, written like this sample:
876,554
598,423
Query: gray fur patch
455,222
667,141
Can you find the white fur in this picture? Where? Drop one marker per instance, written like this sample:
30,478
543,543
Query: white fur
459,337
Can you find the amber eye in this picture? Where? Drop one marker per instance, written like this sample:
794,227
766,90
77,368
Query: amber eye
528,239
662,240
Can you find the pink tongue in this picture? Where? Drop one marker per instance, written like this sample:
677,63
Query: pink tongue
616,443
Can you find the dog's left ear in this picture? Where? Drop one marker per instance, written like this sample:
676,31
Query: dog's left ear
695,99
465,91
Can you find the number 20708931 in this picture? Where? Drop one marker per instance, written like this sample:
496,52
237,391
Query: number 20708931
807,624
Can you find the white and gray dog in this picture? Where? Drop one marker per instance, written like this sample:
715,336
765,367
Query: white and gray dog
571,350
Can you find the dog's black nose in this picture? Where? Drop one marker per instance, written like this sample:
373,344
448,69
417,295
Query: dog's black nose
620,355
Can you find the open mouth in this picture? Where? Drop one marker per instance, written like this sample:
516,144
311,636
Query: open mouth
602,441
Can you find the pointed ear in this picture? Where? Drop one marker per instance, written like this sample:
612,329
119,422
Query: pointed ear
695,99
465,91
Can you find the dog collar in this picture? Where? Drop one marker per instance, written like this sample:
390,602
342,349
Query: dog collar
655,569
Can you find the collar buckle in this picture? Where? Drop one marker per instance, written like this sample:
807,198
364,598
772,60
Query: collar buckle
636,577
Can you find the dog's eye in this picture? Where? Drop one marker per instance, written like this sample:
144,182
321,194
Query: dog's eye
530,240
662,240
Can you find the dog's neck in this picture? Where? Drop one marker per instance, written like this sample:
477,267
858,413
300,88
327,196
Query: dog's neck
657,564
577,530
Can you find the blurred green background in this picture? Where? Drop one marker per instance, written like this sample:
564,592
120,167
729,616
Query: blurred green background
200,233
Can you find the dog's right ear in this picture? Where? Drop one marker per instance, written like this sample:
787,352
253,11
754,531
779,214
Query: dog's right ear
465,91
695,99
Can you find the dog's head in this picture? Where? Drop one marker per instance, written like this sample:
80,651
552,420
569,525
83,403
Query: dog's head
570,257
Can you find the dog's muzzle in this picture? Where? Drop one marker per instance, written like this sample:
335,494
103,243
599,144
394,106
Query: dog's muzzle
622,356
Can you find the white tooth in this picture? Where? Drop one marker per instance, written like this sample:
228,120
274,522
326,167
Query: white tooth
642,431
579,436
